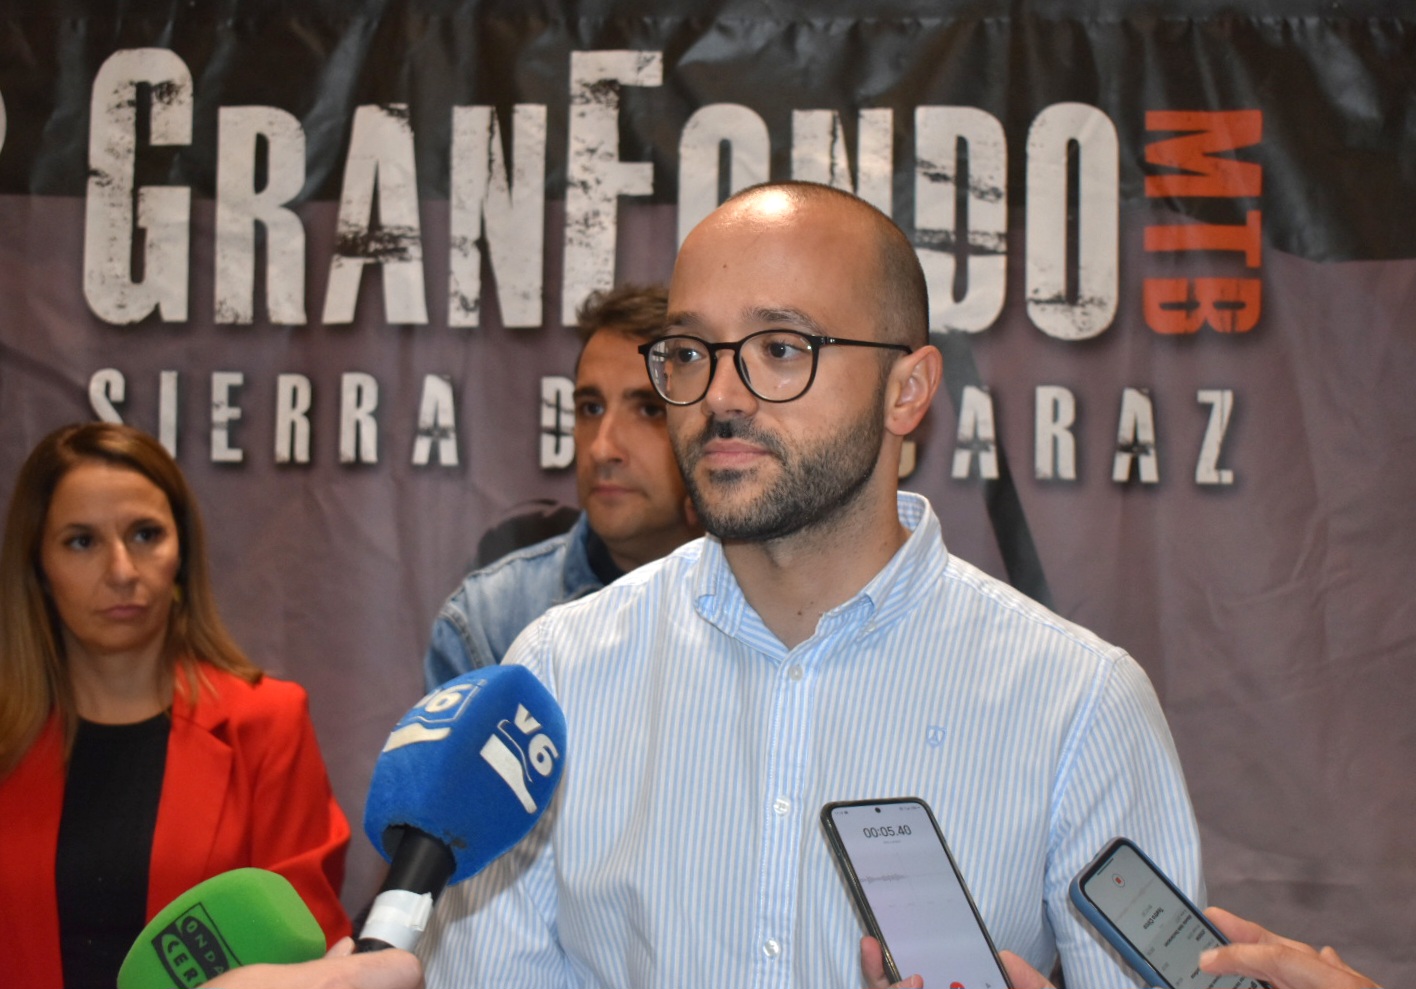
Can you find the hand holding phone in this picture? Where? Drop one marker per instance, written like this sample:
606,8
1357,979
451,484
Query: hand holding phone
1159,932
910,894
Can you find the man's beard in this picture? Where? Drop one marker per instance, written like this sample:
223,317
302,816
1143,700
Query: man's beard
813,486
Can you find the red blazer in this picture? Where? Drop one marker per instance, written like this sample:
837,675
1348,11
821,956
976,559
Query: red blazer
244,785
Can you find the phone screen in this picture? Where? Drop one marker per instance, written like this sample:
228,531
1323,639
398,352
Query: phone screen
921,907
1160,924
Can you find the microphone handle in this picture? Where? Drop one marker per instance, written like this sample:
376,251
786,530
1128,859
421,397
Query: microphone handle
417,874
366,944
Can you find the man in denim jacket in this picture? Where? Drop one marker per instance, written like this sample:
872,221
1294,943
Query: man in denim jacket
634,506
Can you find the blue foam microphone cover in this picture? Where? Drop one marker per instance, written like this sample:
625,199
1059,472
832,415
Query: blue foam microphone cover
473,765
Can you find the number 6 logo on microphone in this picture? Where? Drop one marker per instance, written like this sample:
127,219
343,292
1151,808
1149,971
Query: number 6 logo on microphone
432,719
513,763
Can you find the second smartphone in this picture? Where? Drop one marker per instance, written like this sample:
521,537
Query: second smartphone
1156,928
910,894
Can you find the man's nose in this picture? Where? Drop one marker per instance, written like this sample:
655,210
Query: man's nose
728,394
608,446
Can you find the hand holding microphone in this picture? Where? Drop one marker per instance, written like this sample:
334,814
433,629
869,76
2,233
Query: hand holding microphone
462,778
338,970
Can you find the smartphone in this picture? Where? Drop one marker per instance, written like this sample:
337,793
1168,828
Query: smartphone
1156,928
910,894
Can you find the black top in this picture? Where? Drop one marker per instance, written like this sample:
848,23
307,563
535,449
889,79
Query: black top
105,842
597,554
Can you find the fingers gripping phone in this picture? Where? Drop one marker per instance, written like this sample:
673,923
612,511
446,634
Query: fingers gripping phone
1149,921
910,894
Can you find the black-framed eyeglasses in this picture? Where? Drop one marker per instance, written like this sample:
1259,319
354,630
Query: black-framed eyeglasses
775,365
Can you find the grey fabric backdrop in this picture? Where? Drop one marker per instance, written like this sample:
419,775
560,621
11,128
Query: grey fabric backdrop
1274,612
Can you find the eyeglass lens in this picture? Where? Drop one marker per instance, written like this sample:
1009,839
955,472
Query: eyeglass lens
776,365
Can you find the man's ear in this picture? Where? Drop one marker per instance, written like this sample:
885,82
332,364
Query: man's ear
913,381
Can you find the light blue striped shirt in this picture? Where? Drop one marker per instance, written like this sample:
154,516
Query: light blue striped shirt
684,850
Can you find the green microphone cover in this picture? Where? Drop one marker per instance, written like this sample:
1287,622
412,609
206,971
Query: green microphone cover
236,918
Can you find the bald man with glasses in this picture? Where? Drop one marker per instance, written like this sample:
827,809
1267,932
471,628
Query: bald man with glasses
819,644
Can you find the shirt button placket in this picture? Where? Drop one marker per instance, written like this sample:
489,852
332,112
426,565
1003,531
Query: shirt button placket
792,714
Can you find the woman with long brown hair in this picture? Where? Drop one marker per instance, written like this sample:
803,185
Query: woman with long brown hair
140,750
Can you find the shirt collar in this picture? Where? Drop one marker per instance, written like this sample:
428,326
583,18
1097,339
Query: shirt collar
900,584
887,596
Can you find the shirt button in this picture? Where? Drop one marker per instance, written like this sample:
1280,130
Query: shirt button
771,948
795,671
782,806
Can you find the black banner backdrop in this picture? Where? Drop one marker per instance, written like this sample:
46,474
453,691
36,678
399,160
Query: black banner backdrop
326,252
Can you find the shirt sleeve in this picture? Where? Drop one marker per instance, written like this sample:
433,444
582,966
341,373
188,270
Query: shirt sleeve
450,653
462,638
498,928
1121,776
